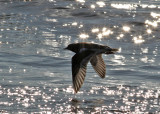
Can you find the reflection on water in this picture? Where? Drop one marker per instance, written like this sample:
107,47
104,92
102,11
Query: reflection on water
35,71
124,6
83,36
100,3
114,99
138,40
126,28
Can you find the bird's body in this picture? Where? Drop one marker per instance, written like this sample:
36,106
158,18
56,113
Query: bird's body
86,52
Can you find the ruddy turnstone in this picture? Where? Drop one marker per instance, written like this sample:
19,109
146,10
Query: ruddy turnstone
86,52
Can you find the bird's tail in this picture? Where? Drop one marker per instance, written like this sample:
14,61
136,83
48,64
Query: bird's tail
112,51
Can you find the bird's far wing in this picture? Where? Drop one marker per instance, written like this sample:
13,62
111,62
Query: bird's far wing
79,65
99,65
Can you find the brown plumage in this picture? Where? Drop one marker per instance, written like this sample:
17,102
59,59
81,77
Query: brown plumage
86,52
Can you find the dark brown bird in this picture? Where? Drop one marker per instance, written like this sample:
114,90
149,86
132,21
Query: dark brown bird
86,52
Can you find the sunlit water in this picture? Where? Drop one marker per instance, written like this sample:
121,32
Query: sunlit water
35,71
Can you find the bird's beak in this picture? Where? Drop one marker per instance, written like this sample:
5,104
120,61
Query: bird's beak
64,48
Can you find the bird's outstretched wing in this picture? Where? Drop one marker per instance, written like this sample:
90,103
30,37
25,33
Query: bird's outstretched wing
79,65
99,65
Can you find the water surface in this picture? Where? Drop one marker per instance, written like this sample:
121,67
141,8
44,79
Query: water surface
35,71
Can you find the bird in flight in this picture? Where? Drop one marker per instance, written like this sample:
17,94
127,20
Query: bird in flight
87,52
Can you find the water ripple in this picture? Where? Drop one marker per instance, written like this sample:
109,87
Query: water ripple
35,71
122,99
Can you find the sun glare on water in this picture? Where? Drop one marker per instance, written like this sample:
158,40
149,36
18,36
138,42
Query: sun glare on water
100,4
126,28
138,40
83,36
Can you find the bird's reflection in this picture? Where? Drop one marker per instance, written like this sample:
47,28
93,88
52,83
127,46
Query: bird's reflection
92,105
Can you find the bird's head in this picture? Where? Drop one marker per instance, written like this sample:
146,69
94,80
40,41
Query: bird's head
68,47
72,47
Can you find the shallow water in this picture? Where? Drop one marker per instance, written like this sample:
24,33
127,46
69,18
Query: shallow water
35,71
